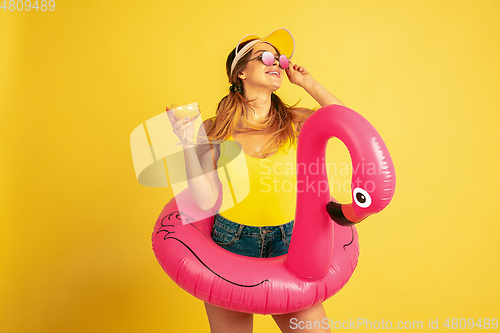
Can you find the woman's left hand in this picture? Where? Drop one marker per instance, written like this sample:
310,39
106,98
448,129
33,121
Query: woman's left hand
298,74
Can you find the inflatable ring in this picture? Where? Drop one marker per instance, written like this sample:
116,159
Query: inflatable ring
322,254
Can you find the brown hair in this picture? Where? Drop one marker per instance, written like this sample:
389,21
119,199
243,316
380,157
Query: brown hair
231,110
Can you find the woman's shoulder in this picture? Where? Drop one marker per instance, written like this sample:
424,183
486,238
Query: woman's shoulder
207,125
208,122
300,116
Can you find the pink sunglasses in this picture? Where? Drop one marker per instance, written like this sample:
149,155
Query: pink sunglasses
268,59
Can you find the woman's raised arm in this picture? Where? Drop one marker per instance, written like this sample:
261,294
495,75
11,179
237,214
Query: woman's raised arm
201,171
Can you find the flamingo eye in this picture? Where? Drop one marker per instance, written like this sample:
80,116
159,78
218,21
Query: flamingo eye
362,198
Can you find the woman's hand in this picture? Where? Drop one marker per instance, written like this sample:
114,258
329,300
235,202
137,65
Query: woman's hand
298,75
179,125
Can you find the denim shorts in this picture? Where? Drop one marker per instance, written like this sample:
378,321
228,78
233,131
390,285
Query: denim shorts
258,242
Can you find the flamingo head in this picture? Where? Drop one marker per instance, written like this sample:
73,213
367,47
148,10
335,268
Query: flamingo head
369,196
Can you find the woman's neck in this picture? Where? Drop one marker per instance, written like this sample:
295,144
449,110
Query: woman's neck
261,105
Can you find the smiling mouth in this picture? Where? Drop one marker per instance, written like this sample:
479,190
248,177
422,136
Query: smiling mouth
273,73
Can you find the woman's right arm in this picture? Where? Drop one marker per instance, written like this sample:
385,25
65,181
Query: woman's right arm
201,171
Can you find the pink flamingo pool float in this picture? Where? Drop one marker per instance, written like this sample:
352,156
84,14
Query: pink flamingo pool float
323,253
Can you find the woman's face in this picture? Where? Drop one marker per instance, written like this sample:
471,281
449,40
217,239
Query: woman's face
256,74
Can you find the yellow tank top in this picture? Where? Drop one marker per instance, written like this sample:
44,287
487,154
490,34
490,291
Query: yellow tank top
257,191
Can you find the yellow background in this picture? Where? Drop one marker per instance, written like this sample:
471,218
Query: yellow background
75,224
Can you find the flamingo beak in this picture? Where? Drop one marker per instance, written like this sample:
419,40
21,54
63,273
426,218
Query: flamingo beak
342,214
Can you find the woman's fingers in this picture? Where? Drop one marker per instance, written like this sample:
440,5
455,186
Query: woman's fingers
299,69
171,116
180,125
182,122
184,126
296,68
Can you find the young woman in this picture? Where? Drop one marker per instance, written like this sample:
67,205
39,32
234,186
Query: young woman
252,115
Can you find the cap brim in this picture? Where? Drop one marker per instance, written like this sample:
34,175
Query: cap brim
281,38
